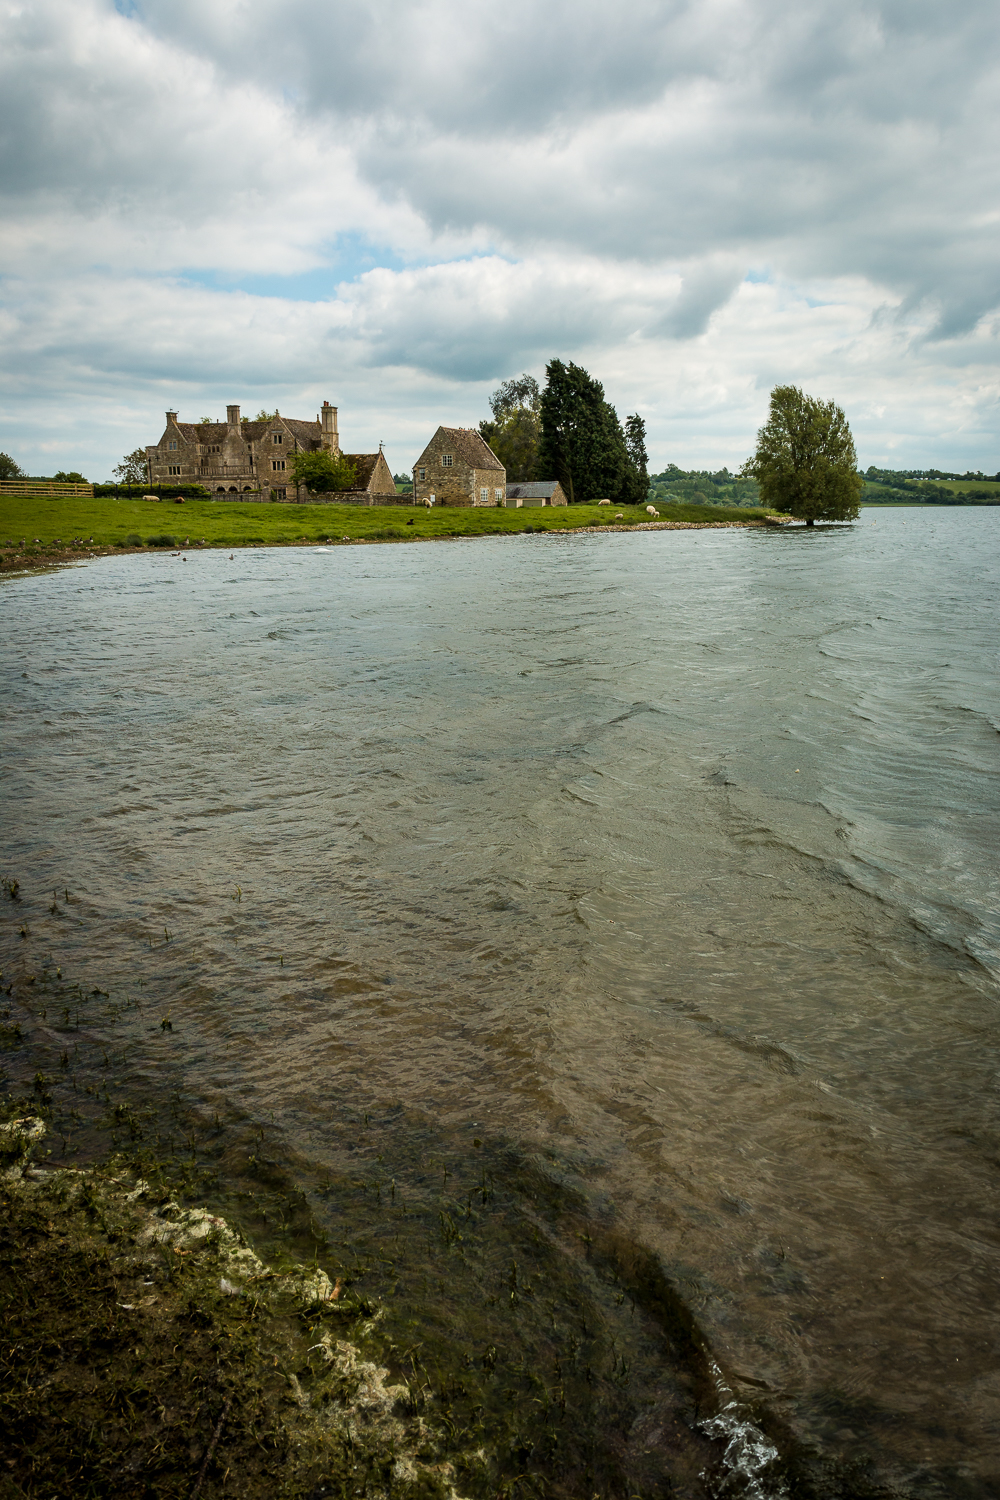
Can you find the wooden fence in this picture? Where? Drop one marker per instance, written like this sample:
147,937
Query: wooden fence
43,489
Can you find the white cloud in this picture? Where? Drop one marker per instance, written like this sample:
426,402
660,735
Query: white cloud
529,182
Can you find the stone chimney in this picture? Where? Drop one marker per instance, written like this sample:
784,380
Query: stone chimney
171,419
233,416
329,436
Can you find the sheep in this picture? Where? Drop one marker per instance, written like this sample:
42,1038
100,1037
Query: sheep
619,515
604,502
428,503
150,497
651,510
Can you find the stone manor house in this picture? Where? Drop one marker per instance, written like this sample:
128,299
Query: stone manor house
247,460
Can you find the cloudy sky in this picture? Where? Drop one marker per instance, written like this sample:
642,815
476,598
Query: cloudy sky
394,205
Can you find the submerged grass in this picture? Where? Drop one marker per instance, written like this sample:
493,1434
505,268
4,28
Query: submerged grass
526,1352
140,1357
527,1346
87,524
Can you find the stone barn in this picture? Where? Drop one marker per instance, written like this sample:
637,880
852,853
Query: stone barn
458,468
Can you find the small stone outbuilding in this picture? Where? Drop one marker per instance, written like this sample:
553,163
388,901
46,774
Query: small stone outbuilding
459,468
539,492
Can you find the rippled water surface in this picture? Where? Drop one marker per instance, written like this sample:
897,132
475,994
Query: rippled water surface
668,859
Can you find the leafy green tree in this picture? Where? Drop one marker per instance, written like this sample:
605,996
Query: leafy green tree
636,480
514,432
9,469
71,476
323,472
133,468
805,464
582,443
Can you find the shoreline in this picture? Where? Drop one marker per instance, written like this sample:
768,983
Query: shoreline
27,563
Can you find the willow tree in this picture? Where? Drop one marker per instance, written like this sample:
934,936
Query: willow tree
805,464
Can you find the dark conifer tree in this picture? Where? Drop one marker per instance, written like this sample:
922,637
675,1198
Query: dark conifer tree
582,443
636,487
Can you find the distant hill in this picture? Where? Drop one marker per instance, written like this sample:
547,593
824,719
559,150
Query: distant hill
882,487
929,487
701,487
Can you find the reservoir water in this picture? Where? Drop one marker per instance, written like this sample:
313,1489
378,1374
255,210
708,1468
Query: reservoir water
656,871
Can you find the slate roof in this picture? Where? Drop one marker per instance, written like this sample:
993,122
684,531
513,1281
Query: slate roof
472,447
364,464
541,489
307,433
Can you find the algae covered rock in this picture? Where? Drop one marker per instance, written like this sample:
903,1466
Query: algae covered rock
146,1349
18,1139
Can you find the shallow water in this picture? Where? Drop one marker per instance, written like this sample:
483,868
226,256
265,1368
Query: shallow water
667,859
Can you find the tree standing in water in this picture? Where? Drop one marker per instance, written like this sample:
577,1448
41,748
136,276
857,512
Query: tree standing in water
805,463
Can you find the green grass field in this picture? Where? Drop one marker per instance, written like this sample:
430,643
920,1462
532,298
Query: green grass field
110,522
975,491
962,486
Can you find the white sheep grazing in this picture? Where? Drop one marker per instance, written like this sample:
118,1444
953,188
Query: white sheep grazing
651,510
151,497
604,502
428,503
619,516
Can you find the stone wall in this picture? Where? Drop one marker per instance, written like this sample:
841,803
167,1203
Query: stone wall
354,497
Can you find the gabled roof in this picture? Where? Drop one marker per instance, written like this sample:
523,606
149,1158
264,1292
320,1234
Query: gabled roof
364,464
538,489
470,446
307,433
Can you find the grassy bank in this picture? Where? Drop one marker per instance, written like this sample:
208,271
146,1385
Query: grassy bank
80,524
